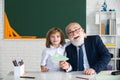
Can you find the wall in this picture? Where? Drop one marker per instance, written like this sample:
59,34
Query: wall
92,7
30,50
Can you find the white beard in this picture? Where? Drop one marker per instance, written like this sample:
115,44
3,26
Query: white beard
77,43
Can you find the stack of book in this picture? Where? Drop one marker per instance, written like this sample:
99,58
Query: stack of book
109,28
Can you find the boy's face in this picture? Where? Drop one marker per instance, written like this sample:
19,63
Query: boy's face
55,39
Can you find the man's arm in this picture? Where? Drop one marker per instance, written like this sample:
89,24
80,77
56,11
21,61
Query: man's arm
104,55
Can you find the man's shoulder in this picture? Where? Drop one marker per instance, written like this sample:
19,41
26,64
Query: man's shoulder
46,50
92,37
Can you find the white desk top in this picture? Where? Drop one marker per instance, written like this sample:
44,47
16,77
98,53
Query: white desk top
104,75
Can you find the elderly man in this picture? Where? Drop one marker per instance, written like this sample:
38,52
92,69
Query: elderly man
85,53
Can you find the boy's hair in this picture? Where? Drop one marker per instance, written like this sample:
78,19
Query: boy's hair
53,31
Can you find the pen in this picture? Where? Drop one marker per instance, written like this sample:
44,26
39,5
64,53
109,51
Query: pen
15,63
27,77
82,78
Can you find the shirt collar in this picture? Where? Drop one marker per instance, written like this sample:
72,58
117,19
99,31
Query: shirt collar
54,47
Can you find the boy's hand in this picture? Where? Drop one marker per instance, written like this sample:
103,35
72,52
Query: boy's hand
44,69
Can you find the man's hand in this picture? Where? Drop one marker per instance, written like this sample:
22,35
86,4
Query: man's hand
64,65
89,71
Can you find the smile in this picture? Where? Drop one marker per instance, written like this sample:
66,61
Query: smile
76,37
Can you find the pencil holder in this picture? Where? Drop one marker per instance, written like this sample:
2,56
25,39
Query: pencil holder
19,70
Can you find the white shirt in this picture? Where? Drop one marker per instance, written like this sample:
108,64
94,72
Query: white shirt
86,64
46,57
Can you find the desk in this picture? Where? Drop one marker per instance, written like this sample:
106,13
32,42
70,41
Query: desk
104,75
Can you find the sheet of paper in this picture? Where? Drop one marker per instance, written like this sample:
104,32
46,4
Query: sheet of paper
58,57
107,76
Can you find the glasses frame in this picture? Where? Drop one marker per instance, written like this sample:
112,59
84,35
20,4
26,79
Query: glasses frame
72,32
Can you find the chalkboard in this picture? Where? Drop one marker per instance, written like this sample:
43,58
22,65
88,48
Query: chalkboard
36,17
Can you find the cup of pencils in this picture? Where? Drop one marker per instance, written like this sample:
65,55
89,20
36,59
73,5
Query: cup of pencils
18,68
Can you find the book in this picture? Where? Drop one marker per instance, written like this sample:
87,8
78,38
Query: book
107,28
112,25
102,29
110,44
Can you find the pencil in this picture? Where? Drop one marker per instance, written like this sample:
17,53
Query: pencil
27,77
82,78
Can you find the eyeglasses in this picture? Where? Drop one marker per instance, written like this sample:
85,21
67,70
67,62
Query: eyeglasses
72,32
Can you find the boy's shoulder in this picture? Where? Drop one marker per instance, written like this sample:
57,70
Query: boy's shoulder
46,50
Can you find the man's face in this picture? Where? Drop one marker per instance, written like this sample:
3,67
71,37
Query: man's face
75,34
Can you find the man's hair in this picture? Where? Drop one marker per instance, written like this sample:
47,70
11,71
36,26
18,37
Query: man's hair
73,23
70,25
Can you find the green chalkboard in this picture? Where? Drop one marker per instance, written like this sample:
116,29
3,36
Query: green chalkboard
36,17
